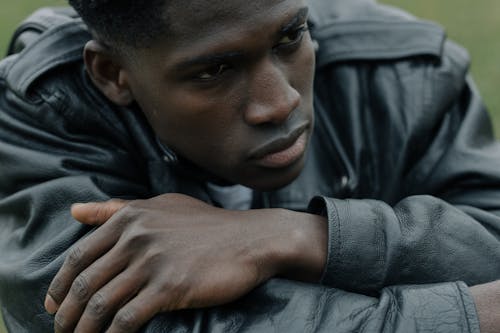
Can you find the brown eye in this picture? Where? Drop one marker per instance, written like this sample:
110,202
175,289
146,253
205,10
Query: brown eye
293,37
213,72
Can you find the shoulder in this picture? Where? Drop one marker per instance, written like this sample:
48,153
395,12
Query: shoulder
384,74
386,47
43,78
365,31
45,41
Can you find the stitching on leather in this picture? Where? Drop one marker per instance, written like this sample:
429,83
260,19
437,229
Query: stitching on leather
72,27
464,307
331,239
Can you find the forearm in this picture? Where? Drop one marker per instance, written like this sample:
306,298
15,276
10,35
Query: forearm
420,240
286,306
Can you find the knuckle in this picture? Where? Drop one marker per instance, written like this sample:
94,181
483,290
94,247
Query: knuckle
80,287
74,257
153,258
128,213
135,204
56,289
129,208
60,323
137,237
98,305
178,293
126,320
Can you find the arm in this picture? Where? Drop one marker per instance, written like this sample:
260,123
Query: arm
435,183
269,308
286,306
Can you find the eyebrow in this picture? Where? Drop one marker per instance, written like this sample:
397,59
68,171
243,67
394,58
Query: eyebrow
234,56
299,18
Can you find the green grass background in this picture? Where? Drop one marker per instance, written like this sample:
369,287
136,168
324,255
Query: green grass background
474,24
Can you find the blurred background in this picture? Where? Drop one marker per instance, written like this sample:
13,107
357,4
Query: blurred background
476,25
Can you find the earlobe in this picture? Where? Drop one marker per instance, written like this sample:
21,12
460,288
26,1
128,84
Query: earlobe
107,73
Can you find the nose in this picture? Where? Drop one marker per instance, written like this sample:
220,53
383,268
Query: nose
271,96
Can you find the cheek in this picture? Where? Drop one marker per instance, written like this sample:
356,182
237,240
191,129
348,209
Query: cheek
304,77
203,129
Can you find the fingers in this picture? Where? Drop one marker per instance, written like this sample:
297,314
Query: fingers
133,315
84,288
96,213
79,257
104,304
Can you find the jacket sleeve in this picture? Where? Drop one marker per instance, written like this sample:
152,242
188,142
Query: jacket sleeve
284,306
441,220
51,157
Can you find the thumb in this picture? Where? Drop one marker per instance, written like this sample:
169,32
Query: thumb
96,213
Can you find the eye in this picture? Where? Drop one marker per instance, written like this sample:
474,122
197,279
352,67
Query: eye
212,72
293,37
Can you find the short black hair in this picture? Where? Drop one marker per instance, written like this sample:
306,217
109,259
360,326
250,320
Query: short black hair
118,23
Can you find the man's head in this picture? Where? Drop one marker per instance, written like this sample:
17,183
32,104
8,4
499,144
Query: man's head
123,22
227,84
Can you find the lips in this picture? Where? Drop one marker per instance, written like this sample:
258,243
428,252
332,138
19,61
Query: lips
282,152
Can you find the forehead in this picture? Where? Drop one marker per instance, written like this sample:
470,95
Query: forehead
195,18
199,28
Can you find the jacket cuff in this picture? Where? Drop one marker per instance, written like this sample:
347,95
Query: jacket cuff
470,311
356,257
356,245
326,208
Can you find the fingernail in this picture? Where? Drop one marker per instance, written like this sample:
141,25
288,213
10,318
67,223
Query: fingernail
50,305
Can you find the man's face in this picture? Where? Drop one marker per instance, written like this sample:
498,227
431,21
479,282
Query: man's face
230,87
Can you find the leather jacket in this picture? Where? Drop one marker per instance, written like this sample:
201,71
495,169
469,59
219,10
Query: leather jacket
403,163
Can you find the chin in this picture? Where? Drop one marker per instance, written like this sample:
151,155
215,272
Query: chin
273,179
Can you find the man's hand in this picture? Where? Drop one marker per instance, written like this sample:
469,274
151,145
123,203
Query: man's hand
174,252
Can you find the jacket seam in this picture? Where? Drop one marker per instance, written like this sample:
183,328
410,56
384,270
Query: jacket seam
418,50
464,307
331,239
72,55
410,23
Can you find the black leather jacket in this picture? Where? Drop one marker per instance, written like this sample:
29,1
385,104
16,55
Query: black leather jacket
402,162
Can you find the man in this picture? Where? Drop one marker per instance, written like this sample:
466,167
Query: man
181,103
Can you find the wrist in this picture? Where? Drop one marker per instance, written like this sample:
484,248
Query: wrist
300,250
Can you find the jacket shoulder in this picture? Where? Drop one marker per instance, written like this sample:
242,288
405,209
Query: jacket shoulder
352,30
48,39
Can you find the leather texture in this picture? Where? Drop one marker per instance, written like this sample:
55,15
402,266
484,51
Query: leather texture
403,163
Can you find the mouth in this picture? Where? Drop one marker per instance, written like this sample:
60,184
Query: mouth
283,151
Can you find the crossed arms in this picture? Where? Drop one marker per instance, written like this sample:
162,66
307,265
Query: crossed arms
173,253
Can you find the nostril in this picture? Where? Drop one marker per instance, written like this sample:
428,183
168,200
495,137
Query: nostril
273,109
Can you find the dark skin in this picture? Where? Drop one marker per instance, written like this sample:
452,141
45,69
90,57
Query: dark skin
235,98
152,256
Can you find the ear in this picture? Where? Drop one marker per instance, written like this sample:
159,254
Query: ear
107,73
